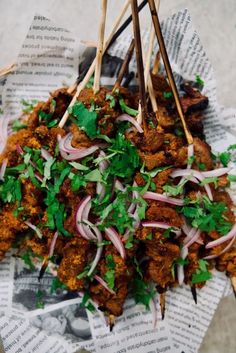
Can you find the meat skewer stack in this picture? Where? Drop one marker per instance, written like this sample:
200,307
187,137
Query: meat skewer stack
115,203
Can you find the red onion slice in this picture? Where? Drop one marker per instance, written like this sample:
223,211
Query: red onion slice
100,188
161,225
193,238
180,268
85,226
223,239
104,284
19,149
126,117
98,253
45,154
216,172
116,240
227,248
118,185
192,173
153,309
33,227
53,243
74,153
160,197
3,169
79,217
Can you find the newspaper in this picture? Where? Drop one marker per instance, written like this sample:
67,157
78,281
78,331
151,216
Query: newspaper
49,58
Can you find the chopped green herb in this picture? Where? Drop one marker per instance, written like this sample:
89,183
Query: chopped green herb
10,189
28,106
174,190
210,180
137,267
126,109
149,236
129,242
77,182
110,274
18,125
85,119
142,292
202,274
201,166
83,273
179,132
86,303
207,215
231,178
191,159
225,158
199,81
56,284
39,299
90,82
112,100
167,95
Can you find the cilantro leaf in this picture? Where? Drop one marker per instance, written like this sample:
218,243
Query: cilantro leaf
142,292
28,106
18,125
56,284
202,274
126,109
112,100
85,119
231,177
225,158
167,95
110,274
199,81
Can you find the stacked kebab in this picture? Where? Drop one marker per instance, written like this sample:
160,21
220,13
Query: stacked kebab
117,189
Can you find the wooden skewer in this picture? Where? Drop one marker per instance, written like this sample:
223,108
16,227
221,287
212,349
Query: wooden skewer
124,66
163,305
139,58
100,47
147,77
92,67
169,72
156,65
194,293
6,70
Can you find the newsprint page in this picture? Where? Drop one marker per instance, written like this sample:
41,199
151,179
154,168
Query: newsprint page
49,59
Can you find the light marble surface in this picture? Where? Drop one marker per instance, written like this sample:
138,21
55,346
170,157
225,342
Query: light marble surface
215,21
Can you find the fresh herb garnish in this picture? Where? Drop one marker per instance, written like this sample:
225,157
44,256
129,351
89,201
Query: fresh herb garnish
167,95
85,119
225,158
207,215
110,274
231,177
18,125
142,292
86,302
56,284
202,274
10,189
39,299
174,190
112,100
28,106
199,81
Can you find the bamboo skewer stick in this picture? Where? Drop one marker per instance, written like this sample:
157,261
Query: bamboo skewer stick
147,76
163,305
6,70
100,47
124,66
170,76
156,65
115,35
139,58
92,67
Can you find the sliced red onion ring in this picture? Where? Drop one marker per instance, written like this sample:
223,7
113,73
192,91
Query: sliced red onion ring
53,243
222,239
135,195
180,268
126,117
37,231
192,173
162,225
216,172
85,226
74,153
98,253
193,238
210,257
100,188
104,284
3,169
153,309
19,149
79,219
118,185
160,197
116,240
45,154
